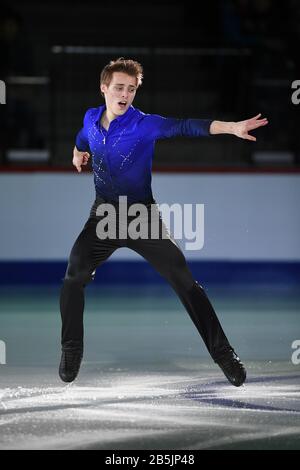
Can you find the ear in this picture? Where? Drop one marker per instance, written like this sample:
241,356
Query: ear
103,88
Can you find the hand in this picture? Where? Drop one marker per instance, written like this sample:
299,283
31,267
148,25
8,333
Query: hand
80,158
242,128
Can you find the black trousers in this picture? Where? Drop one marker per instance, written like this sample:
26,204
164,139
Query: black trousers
163,253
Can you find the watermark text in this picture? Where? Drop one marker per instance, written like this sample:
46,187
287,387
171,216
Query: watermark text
296,354
140,221
2,352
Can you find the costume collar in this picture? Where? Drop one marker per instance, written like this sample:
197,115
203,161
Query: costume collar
120,120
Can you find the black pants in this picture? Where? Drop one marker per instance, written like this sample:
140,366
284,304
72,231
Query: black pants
89,252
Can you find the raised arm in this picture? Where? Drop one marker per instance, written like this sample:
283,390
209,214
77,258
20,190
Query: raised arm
240,129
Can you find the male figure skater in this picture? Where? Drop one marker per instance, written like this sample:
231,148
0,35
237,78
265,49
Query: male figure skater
121,141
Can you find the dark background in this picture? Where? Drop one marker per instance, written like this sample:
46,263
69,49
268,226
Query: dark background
225,59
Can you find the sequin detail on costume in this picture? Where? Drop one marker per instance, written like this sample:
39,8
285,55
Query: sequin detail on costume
126,158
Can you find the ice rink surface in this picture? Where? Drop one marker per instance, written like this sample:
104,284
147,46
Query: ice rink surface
146,381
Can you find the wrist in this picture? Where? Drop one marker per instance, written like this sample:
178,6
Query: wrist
233,128
223,127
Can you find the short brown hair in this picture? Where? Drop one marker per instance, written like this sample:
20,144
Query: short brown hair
129,66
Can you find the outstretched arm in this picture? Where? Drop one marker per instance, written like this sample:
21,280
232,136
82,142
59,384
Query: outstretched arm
240,129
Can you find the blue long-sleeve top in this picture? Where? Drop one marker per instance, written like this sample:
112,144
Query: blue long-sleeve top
122,155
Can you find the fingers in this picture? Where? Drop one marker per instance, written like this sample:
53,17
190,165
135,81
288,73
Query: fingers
255,117
77,165
250,137
85,158
256,124
80,160
263,120
252,124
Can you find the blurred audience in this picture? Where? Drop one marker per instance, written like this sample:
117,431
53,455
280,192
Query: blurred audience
15,48
17,117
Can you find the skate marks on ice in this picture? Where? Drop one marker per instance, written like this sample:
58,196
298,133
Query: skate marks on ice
126,409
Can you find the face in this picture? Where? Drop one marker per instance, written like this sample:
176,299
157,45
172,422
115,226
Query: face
120,93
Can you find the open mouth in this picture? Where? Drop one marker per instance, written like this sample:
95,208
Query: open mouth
122,104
